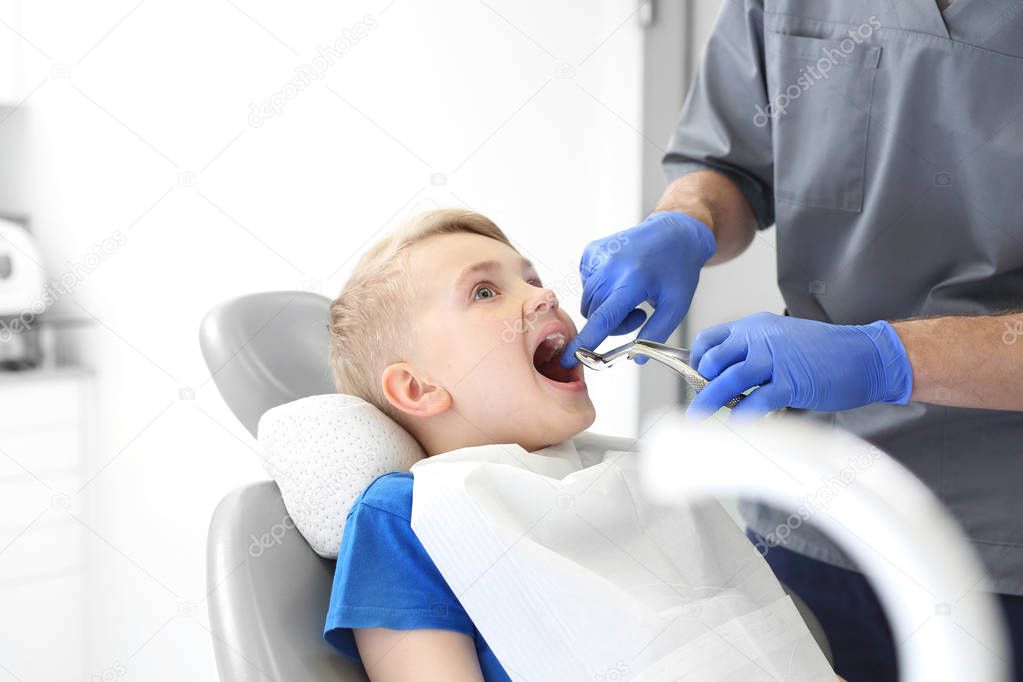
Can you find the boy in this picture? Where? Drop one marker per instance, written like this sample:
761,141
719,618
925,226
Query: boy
447,329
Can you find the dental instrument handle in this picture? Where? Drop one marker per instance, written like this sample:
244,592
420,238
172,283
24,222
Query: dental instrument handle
673,358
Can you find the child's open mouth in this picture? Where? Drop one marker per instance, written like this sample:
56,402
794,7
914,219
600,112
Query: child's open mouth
547,356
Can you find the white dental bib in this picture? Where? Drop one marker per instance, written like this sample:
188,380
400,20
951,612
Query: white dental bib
569,574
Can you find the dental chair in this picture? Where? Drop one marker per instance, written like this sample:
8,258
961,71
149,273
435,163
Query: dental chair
268,590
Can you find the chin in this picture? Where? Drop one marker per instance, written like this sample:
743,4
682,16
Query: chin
590,417
572,423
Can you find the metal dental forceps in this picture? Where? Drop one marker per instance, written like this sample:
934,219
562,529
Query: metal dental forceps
675,358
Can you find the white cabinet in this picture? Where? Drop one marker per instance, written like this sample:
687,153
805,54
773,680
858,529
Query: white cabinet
44,431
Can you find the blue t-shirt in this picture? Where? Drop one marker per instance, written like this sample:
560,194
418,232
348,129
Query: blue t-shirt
385,579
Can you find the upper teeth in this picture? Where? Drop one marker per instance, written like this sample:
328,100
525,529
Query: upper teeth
558,342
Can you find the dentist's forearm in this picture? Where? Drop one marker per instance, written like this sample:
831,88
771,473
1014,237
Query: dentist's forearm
714,200
966,361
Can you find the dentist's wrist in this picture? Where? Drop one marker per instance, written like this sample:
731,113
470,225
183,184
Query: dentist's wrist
895,374
696,231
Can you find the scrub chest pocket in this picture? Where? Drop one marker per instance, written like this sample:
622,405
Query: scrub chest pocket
819,96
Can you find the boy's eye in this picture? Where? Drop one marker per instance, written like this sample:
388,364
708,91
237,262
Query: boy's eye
483,291
536,282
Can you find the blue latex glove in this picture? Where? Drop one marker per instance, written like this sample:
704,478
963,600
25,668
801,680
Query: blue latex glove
799,363
657,261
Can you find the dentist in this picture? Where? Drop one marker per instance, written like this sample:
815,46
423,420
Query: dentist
885,142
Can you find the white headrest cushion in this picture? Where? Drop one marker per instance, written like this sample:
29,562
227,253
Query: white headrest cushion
323,451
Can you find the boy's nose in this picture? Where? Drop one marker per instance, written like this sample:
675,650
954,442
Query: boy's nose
542,302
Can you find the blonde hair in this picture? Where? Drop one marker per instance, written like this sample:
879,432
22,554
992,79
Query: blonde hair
369,320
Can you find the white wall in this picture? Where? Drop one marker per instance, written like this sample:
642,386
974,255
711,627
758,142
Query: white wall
748,283
138,122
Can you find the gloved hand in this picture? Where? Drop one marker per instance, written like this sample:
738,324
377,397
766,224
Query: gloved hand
799,363
657,261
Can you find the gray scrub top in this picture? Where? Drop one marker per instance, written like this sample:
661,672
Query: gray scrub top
885,141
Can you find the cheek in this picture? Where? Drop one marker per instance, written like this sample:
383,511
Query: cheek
496,341
482,362
502,370
456,349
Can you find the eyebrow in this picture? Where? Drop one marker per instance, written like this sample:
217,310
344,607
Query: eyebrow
486,266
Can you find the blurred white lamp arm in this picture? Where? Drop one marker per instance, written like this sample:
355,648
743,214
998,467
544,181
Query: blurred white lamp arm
925,572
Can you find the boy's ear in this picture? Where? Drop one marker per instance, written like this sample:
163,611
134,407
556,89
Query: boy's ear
412,392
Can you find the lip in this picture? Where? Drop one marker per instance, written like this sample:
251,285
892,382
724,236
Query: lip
556,327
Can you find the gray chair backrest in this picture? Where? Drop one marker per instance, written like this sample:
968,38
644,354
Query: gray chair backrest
268,590
267,349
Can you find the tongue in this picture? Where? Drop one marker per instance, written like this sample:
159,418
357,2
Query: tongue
551,368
